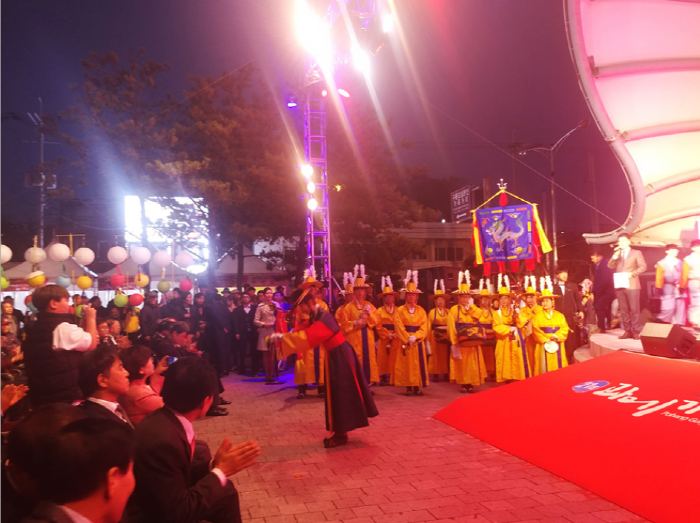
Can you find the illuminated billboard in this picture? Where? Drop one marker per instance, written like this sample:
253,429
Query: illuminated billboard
180,221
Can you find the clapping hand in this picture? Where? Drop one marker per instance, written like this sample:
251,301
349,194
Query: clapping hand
11,394
232,459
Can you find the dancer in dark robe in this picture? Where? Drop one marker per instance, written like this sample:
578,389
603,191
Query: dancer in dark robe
349,402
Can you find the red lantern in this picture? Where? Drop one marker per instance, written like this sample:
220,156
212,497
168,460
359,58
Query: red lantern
185,285
135,300
117,281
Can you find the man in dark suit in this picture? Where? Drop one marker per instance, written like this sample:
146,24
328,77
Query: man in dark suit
171,485
570,305
102,379
603,290
87,474
246,332
631,263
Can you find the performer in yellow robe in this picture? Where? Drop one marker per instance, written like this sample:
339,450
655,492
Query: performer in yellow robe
483,300
438,340
550,330
467,366
357,323
309,365
411,326
524,321
388,344
512,362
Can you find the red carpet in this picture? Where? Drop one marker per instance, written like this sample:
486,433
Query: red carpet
640,450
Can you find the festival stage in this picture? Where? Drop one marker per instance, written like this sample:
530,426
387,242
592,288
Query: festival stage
624,426
608,343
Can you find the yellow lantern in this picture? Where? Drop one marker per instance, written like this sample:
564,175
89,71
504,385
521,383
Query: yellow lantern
36,279
84,282
141,280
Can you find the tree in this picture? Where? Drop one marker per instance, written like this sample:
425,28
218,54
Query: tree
123,117
370,203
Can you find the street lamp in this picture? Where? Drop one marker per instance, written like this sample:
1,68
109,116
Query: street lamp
550,152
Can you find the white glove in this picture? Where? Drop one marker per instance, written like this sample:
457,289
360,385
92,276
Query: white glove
513,330
427,348
411,339
554,337
275,336
392,336
456,353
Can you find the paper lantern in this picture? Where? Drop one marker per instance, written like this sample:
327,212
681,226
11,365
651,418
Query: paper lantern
5,283
84,282
141,280
117,281
35,279
35,255
140,255
185,285
5,254
117,255
161,259
163,286
84,256
121,300
63,281
136,299
32,308
59,252
184,259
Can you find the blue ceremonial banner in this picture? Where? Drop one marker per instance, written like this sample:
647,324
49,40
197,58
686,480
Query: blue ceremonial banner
505,233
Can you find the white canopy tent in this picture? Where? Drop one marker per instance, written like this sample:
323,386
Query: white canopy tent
638,63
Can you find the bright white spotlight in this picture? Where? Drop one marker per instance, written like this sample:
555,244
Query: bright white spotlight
311,187
324,93
387,23
312,205
361,60
313,34
344,93
307,171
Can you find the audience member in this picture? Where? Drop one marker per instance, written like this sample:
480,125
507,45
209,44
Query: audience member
96,304
21,470
161,343
8,316
171,486
15,312
87,474
149,316
145,382
246,332
54,347
102,379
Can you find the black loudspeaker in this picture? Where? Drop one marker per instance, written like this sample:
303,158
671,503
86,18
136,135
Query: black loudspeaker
669,341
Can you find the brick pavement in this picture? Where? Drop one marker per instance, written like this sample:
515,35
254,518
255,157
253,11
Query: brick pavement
406,467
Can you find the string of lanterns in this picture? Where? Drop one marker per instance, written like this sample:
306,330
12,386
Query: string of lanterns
84,256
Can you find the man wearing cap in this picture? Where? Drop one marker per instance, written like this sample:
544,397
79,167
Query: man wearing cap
467,367
309,365
411,325
511,353
525,317
389,344
671,280
438,339
348,400
692,261
359,319
550,329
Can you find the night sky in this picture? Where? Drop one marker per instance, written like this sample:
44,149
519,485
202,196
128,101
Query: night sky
498,67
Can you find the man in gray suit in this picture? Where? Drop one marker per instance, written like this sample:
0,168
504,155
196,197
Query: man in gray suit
631,262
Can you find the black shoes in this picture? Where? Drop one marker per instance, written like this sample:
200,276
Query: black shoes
217,411
222,401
